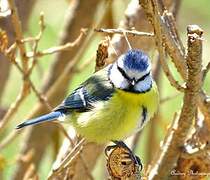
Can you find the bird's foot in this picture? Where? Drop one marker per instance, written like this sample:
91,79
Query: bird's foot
121,144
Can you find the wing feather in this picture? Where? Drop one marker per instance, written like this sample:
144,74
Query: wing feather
96,88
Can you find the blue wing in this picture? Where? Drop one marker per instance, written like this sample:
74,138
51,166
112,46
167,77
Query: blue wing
97,88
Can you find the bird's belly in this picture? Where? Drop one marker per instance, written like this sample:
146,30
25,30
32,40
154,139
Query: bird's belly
107,122
103,129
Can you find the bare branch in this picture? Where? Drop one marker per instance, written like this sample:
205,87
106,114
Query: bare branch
25,87
172,44
24,8
160,44
122,31
18,33
171,148
27,83
37,39
76,18
12,109
57,168
52,50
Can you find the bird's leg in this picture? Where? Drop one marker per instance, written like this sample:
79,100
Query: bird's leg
135,158
108,148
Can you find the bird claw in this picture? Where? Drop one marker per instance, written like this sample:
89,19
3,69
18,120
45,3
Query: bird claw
133,157
108,148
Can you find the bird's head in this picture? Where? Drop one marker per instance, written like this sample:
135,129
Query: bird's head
132,72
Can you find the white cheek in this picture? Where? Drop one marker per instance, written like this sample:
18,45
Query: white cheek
117,79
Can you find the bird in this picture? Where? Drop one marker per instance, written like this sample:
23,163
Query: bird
111,104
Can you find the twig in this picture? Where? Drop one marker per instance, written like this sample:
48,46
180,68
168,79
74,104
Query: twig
172,46
170,22
174,49
18,33
64,132
24,9
171,148
52,50
176,8
13,108
20,98
57,168
25,88
122,31
38,37
177,57
11,50
22,95
159,41
31,173
40,96
76,18
166,69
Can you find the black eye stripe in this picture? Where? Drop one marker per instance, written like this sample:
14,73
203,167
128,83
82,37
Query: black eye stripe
123,73
128,78
143,77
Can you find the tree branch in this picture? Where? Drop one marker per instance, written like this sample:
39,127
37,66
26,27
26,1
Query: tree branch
18,34
180,130
122,31
24,8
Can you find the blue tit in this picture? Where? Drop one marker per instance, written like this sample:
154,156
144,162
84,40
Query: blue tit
113,103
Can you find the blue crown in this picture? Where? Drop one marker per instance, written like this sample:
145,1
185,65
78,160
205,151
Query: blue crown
136,60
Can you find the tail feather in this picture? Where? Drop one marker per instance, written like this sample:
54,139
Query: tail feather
47,117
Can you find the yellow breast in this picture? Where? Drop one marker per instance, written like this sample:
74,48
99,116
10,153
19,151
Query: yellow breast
117,118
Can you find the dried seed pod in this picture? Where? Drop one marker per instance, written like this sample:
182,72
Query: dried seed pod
121,166
102,54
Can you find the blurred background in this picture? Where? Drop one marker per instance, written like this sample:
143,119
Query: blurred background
55,13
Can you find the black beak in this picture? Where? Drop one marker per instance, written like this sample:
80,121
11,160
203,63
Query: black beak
133,82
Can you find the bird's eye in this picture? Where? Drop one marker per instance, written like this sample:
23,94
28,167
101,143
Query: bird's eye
124,73
130,79
143,77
